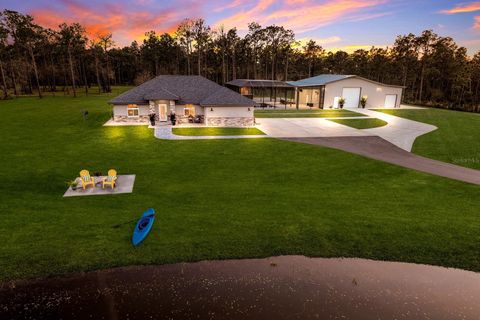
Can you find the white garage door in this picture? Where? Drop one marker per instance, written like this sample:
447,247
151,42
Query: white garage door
390,101
352,97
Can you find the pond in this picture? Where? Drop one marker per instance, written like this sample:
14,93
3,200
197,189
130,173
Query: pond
285,287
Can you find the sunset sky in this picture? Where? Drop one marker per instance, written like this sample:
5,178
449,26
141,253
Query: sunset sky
335,24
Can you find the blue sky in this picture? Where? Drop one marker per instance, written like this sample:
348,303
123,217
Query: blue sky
335,24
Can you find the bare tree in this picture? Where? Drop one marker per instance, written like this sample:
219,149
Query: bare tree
184,35
71,37
25,34
3,49
106,42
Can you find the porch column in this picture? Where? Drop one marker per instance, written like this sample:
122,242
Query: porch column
297,97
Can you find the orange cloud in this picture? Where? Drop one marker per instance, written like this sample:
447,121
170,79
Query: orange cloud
463,8
301,18
125,24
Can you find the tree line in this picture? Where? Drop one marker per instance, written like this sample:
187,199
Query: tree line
34,60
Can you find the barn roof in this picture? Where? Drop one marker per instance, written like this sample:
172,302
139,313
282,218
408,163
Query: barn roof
324,79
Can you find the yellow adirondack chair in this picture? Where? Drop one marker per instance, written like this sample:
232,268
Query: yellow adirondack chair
110,180
86,179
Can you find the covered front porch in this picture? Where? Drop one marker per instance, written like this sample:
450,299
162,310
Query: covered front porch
162,111
156,113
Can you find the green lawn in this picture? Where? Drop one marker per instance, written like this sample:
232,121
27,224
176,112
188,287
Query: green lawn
305,113
361,123
215,199
216,131
457,139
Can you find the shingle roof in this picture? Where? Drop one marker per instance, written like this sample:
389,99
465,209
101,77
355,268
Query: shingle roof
319,80
160,94
251,83
184,90
224,96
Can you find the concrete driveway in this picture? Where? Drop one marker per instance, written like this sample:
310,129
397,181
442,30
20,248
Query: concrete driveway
400,132
306,127
379,149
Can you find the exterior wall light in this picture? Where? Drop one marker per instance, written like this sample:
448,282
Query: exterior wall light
211,109
248,109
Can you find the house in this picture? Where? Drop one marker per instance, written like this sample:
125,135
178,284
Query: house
325,90
322,91
192,98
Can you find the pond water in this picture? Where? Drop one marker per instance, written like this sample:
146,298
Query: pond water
285,287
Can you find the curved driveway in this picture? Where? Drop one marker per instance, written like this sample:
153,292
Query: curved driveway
306,128
399,131
391,143
379,149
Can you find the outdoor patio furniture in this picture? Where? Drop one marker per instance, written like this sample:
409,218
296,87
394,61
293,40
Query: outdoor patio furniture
86,179
110,180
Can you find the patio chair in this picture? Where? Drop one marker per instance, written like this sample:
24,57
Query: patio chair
86,179
110,180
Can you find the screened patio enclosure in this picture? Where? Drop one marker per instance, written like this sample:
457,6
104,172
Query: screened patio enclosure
265,93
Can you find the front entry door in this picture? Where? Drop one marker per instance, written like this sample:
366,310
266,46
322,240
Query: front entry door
162,112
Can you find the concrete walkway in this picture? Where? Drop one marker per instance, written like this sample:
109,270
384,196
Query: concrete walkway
399,131
165,133
379,149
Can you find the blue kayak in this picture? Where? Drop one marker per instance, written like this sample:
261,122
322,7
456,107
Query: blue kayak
143,227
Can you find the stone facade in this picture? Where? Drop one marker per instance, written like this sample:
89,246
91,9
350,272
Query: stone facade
230,121
138,119
181,119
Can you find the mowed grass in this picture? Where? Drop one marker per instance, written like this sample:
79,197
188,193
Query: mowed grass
306,113
215,199
217,131
361,123
457,139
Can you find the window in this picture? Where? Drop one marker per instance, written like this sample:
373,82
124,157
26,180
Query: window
245,91
189,110
132,110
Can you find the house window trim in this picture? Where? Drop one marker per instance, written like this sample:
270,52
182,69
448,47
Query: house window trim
133,107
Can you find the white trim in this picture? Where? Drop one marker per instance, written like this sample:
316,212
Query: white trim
133,109
165,118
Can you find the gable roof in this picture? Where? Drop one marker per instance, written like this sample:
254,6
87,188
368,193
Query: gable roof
184,90
251,83
324,79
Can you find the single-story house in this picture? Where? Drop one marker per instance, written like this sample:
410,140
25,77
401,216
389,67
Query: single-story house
191,98
324,91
